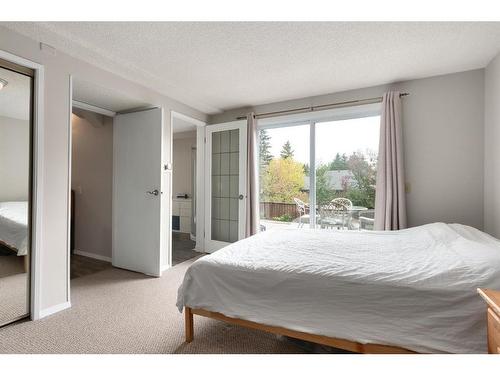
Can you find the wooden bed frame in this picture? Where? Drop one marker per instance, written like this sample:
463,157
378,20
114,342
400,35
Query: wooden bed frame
351,346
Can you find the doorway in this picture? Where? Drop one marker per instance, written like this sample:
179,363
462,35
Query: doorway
116,182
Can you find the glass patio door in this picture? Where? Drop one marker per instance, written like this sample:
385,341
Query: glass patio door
225,175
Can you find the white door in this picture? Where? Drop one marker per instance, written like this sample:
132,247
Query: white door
137,191
225,192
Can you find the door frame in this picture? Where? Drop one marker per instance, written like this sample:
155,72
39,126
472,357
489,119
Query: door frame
212,245
37,165
200,179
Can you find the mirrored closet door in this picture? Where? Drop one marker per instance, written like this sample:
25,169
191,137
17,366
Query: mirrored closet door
16,88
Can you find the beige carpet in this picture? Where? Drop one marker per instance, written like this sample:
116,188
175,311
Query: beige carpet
116,311
13,297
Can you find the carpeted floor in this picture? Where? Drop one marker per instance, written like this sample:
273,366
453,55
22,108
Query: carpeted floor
117,311
14,288
14,297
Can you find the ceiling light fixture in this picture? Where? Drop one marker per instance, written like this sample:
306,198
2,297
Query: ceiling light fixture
3,83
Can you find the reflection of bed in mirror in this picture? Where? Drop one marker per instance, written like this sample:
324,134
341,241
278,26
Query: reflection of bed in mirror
14,260
14,228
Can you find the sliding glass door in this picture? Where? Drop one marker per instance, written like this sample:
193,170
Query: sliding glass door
319,173
284,159
345,163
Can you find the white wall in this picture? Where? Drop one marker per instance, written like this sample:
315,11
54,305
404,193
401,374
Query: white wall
92,181
58,69
182,171
14,159
443,140
492,148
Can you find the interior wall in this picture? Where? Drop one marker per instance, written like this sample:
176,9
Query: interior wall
443,135
58,68
14,162
92,182
492,148
182,173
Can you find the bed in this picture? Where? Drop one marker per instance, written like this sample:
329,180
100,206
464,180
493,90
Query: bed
14,226
412,290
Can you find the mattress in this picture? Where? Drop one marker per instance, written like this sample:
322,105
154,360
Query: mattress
413,288
14,226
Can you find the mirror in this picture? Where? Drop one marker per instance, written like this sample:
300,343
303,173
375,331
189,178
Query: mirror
15,191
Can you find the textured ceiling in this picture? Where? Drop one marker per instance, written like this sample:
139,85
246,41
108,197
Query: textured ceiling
218,66
15,97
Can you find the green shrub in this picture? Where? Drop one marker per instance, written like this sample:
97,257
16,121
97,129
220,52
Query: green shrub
285,218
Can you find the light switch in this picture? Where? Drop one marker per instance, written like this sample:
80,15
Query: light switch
407,187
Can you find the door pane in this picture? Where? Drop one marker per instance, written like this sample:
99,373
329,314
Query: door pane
346,160
225,185
284,176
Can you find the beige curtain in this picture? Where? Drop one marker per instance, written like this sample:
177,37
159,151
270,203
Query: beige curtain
390,200
252,201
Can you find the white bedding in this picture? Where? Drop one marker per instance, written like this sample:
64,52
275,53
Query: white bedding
414,288
14,225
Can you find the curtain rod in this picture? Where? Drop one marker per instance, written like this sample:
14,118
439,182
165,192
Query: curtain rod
320,107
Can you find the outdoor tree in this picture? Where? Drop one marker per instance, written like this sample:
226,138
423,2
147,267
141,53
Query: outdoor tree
283,181
324,193
286,151
339,163
365,174
360,189
265,155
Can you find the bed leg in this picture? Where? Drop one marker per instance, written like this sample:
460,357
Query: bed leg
189,324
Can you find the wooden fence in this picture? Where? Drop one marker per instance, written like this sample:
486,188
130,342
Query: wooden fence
271,210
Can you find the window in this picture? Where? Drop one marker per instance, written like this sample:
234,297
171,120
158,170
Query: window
304,166
284,174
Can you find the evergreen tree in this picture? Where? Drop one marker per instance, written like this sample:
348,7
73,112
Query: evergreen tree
264,148
339,163
286,151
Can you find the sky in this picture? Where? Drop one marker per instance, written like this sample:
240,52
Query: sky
344,136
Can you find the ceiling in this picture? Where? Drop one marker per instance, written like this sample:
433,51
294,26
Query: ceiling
104,97
180,125
15,97
222,65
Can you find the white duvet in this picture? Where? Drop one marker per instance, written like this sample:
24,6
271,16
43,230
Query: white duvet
14,225
414,288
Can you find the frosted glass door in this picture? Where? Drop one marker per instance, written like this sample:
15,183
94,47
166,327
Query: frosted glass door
226,150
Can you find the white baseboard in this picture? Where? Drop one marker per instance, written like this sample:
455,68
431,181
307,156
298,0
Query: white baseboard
92,255
54,309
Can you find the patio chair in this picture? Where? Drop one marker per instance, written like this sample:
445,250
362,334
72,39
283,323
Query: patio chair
302,210
366,220
336,214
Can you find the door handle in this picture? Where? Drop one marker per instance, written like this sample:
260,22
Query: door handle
153,192
240,197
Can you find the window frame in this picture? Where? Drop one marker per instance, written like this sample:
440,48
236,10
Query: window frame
311,119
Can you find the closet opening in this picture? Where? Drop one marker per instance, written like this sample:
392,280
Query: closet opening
117,195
